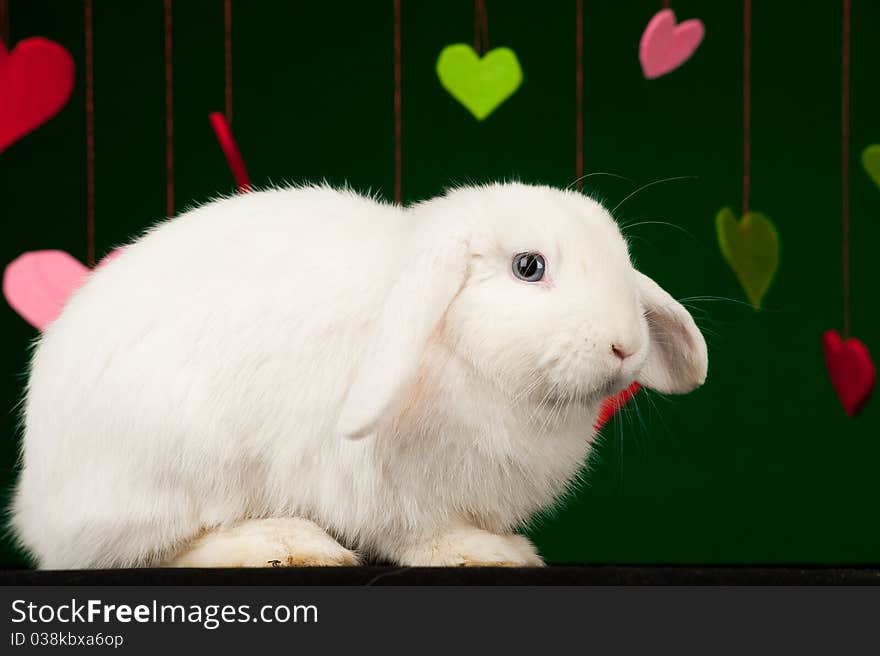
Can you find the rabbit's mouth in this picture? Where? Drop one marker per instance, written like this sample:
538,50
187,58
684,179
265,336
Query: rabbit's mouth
615,384
573,377
589,397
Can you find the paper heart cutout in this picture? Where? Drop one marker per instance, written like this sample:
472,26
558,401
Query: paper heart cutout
614,403
851,370
666,45
36,79
751,248
480,84
38,284
871,162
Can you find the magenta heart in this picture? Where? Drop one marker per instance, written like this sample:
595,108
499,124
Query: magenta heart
851,370
666,45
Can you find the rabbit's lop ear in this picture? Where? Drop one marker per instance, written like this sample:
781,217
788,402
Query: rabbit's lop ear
426,285
677,358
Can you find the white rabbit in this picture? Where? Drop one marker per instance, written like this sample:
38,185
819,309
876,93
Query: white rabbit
270,373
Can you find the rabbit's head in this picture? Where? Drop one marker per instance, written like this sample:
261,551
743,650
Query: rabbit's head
534,288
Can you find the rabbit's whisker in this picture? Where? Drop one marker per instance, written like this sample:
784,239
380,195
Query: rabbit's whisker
590,175
651,184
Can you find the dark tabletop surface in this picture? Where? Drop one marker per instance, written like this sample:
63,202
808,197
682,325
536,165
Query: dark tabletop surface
553,575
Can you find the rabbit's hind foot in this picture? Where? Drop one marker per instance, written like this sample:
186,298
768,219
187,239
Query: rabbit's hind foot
275,542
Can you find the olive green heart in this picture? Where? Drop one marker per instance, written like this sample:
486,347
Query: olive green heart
480,84
871,160
751,248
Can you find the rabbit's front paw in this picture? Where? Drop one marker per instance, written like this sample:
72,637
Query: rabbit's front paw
278,542
472,547
526,550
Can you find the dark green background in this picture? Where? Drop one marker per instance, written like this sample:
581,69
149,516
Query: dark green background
759,465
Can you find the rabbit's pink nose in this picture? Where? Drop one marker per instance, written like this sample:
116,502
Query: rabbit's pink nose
621,351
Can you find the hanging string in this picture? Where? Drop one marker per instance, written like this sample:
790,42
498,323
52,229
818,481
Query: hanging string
579,94
666,4
221,122
747,103
844,161
398,159
90,134
169,115
4,23
227,54
481,27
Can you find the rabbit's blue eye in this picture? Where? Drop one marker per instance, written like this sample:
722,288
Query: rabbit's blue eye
529,266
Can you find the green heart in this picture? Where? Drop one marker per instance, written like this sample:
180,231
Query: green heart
481,85
871,160
751,248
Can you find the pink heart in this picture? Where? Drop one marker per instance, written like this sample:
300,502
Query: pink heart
665,46
851,370
38,284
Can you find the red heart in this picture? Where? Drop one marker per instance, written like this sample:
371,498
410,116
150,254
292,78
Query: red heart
615,403
36,79
851,369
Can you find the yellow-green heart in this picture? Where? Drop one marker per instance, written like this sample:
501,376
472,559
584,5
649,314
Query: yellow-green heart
871,160
480,84
751,248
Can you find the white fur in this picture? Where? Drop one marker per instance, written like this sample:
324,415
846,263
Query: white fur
274,542
209,376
